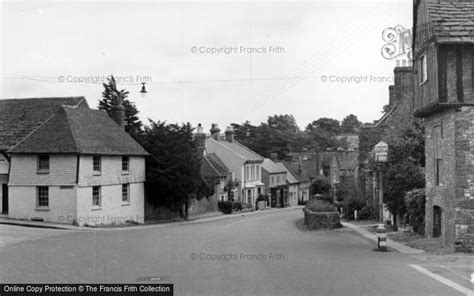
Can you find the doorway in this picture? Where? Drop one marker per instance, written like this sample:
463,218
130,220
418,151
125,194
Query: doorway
4,199
437,221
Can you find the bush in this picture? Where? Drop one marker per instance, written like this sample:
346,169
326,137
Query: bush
354,204
261,197
321,186
237,206
366,213
317,205
324,197
225,207
415,203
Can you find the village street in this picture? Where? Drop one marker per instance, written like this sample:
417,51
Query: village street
266,254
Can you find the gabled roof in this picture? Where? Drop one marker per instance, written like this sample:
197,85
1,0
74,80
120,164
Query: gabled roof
348,160
19,117
237,149
212,166
79,131
452,21
290,177
273,167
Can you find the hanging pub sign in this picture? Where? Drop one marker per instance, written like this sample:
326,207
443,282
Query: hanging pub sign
381,152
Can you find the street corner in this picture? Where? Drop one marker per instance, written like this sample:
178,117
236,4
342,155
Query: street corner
13,234
454,271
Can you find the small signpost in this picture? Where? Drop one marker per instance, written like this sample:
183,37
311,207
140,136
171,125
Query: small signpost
380,156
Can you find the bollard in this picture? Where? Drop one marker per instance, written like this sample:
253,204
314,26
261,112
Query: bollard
381,238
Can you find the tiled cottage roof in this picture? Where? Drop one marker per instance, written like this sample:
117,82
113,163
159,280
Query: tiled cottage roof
452,21
79,130
237,149
19,117
212,166
290,177
273,167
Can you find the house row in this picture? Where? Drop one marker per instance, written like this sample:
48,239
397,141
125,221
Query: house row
61,161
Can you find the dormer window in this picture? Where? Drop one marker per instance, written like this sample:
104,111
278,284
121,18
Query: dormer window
96,164
43,164
125,163
423,69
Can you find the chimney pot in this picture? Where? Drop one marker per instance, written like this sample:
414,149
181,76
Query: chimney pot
229,134
215,131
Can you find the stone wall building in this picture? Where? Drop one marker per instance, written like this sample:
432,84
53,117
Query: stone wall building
444,97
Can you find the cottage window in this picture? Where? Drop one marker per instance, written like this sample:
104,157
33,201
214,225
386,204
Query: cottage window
43,163
125,163
125,192
253,173
96,198
273,180
258,172
96,163
423,69
42,196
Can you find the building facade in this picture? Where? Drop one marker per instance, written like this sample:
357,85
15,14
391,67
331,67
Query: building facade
76,167
244,164
444,98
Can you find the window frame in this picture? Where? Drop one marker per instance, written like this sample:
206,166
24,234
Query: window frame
125,160
39,197
94,158
40,163
423,69
127,186
98,197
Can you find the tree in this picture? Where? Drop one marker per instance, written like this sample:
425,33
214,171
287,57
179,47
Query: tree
284,123
111,96
350,124
329,125
173,170
323,187
404,168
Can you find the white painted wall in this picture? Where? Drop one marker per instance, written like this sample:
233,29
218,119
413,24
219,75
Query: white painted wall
112,208
22,204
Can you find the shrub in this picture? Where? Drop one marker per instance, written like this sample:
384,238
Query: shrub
324,197
321,186
354,204
366,213
317,205
225,207
415,204
261,197
237,206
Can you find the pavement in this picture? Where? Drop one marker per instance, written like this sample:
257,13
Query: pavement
399,247
255,254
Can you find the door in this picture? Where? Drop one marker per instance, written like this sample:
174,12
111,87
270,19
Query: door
437,219
5,199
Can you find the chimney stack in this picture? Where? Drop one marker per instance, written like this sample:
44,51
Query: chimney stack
117,113
215,131
200,138
229,134
391,94
274,156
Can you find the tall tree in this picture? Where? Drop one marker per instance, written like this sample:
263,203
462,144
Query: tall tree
173,170
110,96
350,125
404,169
329,125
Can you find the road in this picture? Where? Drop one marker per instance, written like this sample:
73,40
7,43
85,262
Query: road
262,254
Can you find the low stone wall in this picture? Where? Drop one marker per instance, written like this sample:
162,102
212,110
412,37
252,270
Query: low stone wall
464,226
321,220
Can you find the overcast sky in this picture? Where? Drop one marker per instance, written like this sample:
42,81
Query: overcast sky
206,62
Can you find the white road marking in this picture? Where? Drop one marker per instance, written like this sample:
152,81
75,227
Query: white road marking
443,280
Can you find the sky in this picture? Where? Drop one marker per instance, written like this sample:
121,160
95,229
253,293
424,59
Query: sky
206,62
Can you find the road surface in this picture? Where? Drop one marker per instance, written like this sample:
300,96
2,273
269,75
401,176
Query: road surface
262,254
